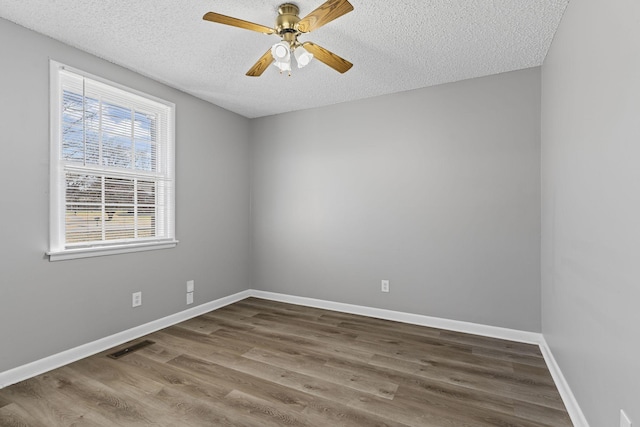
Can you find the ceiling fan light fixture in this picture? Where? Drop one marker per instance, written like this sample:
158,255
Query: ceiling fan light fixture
281,52
303,57
283,66
288,27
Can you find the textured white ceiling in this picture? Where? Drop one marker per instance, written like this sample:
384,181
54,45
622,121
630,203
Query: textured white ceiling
394,45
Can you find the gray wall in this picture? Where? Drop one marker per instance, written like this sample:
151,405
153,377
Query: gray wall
591,205
437,190
49,307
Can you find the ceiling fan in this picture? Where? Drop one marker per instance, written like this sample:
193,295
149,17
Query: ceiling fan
289,26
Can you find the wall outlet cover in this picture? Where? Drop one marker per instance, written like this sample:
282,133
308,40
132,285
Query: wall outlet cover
136,299
384,286
190,285
189,298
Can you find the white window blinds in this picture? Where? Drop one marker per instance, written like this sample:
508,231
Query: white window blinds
112,178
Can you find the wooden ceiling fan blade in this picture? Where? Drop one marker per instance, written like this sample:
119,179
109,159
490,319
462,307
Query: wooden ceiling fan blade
262,64
331,59
235,22
324,14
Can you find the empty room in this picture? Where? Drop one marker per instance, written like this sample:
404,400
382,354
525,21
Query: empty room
338,213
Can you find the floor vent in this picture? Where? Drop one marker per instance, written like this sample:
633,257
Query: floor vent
120,353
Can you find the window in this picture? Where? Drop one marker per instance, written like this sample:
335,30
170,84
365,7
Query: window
112,168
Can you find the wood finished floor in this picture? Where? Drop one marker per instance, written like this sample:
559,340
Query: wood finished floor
264,363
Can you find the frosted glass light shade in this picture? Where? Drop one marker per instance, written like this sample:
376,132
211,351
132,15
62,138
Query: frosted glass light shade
281,52
303,57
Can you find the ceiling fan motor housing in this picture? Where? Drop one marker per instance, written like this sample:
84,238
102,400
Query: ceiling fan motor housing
287,21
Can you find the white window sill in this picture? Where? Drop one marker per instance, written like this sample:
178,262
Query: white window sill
67,254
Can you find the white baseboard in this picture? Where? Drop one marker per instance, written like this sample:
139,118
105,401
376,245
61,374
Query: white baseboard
570,402
415,319
41,366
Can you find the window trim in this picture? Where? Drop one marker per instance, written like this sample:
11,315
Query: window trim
109,250
57,250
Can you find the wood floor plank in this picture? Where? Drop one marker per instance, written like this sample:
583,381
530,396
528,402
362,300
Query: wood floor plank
544,415
4,401
427,354
378,324
45,405
12,415
366,404
266,338
199,344
305,326
308,365
194,401
266,363
263,306
471,415
518,358
228,380
449,339
445,388
90,395
277,394
489,342
140,388
542,394
200,324
269,414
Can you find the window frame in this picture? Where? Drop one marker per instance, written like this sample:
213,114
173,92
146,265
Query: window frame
58,247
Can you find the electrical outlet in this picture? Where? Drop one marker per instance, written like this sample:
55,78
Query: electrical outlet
384,287
189,298
136,299
624,419
190,285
